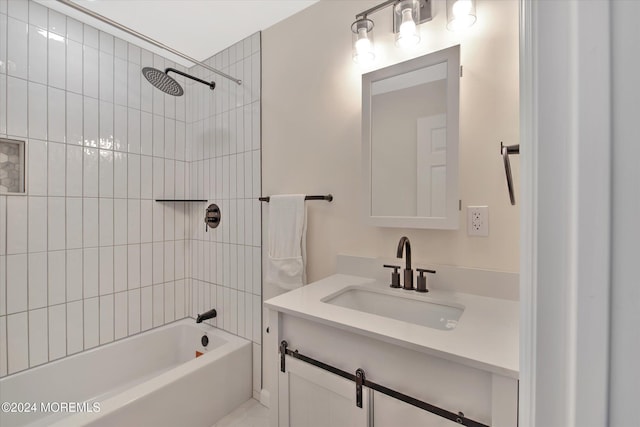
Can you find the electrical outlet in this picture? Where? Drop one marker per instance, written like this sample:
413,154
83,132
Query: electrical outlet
478,220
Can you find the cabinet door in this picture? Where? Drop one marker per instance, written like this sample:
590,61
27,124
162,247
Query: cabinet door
312,397
390,412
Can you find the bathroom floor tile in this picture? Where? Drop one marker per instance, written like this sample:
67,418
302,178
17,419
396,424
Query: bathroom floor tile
250,414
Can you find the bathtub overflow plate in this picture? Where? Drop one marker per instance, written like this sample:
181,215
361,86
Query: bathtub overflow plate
204,340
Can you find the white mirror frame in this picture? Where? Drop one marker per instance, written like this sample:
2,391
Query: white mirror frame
451,221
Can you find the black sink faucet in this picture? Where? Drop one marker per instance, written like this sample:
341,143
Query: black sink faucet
206,315
405,245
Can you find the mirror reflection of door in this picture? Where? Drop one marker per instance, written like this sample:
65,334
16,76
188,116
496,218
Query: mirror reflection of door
408,143
431,165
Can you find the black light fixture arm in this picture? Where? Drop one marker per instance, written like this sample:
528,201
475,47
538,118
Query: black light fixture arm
212,85
376,8
425,14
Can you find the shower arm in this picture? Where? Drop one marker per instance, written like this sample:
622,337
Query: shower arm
212,85
145,38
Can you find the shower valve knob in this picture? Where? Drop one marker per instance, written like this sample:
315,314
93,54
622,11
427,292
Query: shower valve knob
212,216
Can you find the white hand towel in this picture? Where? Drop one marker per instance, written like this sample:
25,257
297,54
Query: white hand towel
286,256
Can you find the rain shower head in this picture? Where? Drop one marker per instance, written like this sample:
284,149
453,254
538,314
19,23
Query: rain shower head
166,83
162,81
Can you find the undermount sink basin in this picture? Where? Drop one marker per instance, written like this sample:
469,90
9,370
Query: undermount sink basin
409,308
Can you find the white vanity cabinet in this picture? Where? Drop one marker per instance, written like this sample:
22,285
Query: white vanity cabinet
310,396
471,369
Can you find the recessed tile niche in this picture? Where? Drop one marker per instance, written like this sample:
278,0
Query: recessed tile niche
12,166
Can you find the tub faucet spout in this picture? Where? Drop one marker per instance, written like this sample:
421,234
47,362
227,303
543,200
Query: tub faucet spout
206,315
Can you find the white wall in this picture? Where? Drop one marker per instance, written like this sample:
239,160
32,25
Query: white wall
223,134
87,256
311,130
565,282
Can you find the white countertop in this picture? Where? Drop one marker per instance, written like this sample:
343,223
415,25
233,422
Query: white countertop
486,336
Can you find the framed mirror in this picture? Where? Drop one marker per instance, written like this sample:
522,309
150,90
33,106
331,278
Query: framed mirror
410,119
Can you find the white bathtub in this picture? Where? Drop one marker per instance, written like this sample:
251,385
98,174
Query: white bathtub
151,379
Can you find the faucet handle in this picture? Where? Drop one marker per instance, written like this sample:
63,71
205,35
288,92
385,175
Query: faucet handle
422,280
395,276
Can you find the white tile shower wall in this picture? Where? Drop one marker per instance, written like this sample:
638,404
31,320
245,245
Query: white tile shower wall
223,151
77,252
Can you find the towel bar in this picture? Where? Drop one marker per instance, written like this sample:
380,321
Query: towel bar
507,150
328,198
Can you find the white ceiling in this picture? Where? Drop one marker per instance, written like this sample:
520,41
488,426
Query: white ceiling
197,28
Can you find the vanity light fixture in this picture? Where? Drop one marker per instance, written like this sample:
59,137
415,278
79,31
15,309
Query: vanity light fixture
461,14
363,52
407,15
407,12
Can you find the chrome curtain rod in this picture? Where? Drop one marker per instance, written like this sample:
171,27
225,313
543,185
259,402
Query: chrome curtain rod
143,37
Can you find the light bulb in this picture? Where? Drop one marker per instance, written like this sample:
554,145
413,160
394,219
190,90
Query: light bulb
364,48
407,35
461,8
462,15
408,27
462,22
